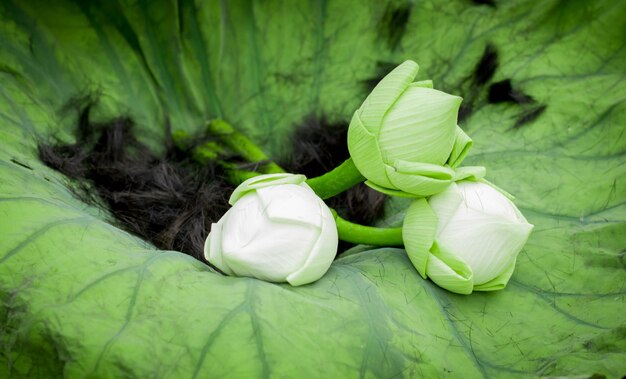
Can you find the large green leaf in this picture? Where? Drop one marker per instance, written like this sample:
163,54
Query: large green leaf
81,297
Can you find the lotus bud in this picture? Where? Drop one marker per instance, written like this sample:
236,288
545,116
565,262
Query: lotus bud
465,238
404,138
277,230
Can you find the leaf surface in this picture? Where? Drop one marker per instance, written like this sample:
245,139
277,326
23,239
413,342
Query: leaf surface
81,297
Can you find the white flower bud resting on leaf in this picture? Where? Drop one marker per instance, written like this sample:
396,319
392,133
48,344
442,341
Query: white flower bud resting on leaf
278,230
404,138
466,238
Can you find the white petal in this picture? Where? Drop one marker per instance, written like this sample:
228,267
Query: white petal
276,251
291,203
486,199
241,222
213,248
322,254
445,205
488,244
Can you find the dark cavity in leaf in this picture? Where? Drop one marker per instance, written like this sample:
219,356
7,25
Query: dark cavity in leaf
168,200
491,3
486,67
393,23
318,146
472,85
529,116
382,69
503,91
15,161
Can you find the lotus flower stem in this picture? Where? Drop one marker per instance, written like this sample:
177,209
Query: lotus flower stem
325,186
238,142
212,152
336,181
367,235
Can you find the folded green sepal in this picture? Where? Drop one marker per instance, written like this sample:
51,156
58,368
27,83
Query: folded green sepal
499,282
462,145
263,181
388,191
449,272
418,233
416,180
366,153
471,173
419,179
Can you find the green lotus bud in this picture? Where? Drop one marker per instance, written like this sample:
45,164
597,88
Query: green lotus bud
404,138
466,238
278,230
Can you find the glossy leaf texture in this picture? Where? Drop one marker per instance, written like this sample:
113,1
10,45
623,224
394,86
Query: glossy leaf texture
544,102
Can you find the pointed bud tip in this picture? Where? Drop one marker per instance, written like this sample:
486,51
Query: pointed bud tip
409,64
407,69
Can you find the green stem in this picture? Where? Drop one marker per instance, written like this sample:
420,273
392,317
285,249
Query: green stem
334,182
367,235
242,145
325,186
212,152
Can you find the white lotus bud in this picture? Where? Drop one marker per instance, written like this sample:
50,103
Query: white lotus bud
465,238
278,230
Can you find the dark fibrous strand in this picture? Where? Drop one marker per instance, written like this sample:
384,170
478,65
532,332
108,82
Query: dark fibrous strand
169,200
317,146
359,204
